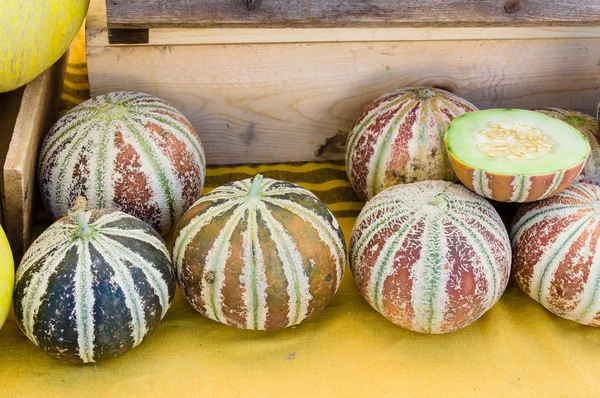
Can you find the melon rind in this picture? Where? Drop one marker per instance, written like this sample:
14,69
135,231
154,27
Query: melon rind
556,246
398,138
430,256
262,263
515,180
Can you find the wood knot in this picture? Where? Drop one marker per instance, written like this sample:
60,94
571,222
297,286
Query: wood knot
512,6
446,86
251,4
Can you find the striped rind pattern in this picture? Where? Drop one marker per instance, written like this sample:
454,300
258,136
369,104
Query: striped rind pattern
588,126
430,256
556,244
264,263
514,188
124,150
86,299
398,138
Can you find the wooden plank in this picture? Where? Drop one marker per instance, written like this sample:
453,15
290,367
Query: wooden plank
153,13
274,13
294,102
10,103
164,37
38,112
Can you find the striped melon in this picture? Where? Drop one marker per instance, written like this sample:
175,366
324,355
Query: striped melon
556,244
588,126
261,254
514,155
430,256
93,285
399,138
123,150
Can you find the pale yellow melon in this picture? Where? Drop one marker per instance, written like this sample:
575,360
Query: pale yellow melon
34,34
7,277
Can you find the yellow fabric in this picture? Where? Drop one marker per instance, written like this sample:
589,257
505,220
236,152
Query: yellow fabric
517,349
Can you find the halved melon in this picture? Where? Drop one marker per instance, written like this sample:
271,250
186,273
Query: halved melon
512,155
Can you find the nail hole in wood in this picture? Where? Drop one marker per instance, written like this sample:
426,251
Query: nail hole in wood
251,4
512,6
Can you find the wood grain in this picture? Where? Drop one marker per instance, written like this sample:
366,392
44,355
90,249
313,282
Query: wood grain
282,102
10,103
273,13
39,108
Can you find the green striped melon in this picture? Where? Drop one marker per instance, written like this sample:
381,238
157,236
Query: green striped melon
123,150
430,256
588,126
93,285
259,254
556,244
399,138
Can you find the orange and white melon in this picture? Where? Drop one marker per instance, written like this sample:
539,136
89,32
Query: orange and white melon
430,256
556,245
259,254
399,138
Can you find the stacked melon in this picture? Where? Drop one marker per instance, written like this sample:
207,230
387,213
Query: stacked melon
432,256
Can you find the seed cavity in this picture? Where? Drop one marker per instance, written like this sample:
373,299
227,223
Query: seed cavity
513,140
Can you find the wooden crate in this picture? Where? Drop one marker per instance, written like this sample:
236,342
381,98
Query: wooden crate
26,115
285,81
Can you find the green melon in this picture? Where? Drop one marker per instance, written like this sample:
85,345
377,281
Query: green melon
512,155
93,285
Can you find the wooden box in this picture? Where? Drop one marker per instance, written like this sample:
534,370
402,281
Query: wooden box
26,114
284,82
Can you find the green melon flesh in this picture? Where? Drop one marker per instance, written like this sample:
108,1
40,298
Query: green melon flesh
569,146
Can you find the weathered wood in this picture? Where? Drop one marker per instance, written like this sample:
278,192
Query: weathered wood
37,113
272,13
10,103
282,102
154,13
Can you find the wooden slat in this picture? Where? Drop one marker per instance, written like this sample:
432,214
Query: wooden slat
295,102
38,111
272,13
10,103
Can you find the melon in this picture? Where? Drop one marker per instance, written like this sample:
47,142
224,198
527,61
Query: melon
123,150
588,126
430,256
259,254
511,155
399,138
34,35
93,285
556,244
7,277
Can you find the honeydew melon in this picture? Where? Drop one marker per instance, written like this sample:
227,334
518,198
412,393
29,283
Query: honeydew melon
7,277
512,155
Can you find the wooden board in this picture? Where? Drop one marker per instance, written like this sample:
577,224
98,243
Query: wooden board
296,101
38,111
278,13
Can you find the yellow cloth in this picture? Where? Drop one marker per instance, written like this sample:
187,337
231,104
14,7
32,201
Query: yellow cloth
517,349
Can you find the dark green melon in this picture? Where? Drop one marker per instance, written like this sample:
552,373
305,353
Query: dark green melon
93,285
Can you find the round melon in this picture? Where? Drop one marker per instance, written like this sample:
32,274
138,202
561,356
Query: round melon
124,150
588,126
35,34
259,254
556,244
399,138
512,155
93,285
7,277
430,256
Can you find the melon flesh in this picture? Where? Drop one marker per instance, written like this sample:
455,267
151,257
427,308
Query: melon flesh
515,155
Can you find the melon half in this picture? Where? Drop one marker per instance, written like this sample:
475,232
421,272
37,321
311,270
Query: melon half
513,155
